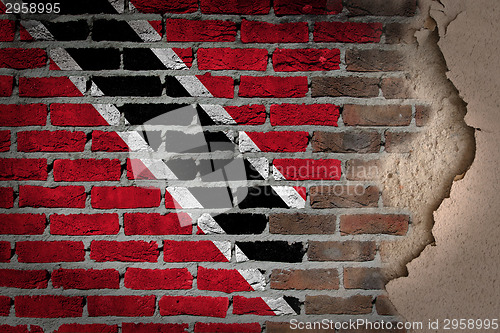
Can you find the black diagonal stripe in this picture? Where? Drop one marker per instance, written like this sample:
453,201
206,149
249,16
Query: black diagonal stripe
241,224
96,59
262,197
174,88
293,302
205,119
141,59
129,85
209,166
112,30
139,114
279,251
66,31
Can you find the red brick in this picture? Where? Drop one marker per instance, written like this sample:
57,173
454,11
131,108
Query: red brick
157,224
4,141
5,305
47,87
121,306
273,86
7,30
5,251
57,197
162,6
86,279
291,60
48,306
75,115
20,328
186,251
255,306
341,251
23,169
131,251
40,251
363,278
6,197
357,169
345,86
13,115
374,224
225,280
384,306
22,224
300,7
87,170
396,88
346,142
377,115
315,279
125,197
84,224
218,86
181,30
344,196
245,7
381,7
323,304
6,85
263,32
136,169
297,224
108,141
347,32
156,328
227,328
86,328
305,169
374,60
194,306
23,279
282,142
57,141
186,55
422,115
22,58
227,58
302,114
152,279
247,114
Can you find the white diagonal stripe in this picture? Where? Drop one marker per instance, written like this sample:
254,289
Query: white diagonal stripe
240,256
135,141
63,60
290,196
109,112
193,86
277,174
254,278
37,30
218,114
279,306
80,83
261,165
145,31
169,58
184,197
158,168
208,225
246,144
224,248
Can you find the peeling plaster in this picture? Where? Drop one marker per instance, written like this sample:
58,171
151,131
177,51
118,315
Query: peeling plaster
458,275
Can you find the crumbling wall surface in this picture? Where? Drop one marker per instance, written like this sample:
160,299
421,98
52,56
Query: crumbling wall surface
457,277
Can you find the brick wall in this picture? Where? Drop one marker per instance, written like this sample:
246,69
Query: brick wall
309,97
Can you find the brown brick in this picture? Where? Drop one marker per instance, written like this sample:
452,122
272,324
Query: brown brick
373,60
344,196
400,142
346,142
284,327
374,224
341,251
398,33
381,7
317,279
422,115
323,304
363,278
296,224
345,86
362,169
376,115
384,306
396,88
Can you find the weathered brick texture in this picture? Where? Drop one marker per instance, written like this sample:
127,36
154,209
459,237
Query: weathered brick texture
110,224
